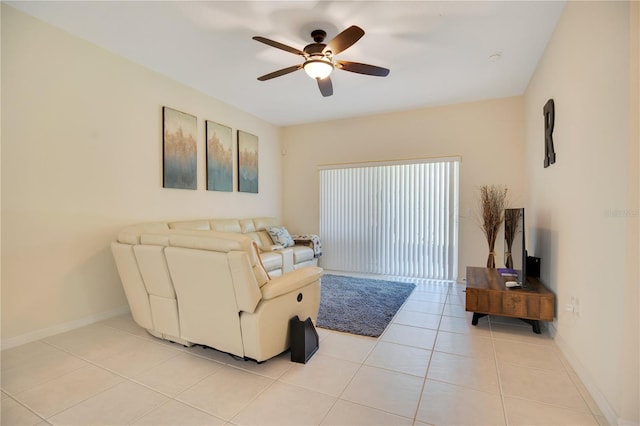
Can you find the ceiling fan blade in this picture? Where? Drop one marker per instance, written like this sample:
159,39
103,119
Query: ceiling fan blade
344,40
325,86
362,68
279,73
279,45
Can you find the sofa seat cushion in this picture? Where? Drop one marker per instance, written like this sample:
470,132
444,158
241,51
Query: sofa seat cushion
302,254
271,260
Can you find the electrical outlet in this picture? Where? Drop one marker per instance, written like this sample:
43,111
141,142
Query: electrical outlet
573,306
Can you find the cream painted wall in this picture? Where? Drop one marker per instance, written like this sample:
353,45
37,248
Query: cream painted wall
583,210
487,135
82,157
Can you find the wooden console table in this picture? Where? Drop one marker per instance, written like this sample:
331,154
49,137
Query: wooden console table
487,294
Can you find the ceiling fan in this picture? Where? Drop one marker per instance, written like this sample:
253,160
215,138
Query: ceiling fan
319,58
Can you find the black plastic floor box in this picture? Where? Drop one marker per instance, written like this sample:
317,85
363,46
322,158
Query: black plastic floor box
304,339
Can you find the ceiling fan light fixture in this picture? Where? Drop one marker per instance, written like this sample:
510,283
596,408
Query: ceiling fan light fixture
318,68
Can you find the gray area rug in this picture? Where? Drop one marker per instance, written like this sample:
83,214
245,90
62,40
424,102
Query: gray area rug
359,305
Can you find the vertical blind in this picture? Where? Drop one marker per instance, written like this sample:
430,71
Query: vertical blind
392,218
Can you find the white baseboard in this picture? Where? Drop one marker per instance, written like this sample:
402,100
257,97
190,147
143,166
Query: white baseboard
12,342
607,410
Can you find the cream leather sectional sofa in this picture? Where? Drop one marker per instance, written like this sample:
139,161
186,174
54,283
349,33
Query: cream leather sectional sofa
276,259
194,282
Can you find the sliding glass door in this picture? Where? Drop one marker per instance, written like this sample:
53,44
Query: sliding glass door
391,218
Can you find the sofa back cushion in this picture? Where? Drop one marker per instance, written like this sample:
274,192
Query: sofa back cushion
264,223
226,225
131,234
196,225
224,242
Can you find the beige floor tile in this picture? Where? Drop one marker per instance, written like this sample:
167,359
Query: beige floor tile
439,287
347,346
126,323
175,413
27,355
119,405
457,299
138,358
405,359
389,391
35,363
546,357
177,373
464,344
417,319
591,403
427,296
423,338
424,307
272,368
447,404
286,404
376,381
95,342
463,325
58,394
452,310
530,413
322,333
322,373
475,373
550,387
225,392
347,413
520,334
14,414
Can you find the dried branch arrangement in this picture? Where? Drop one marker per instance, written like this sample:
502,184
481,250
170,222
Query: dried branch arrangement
493,200
511,228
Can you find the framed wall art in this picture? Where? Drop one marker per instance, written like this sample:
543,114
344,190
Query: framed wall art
180,149
247,162
219,147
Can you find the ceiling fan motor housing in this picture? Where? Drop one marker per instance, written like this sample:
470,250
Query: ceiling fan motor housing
315,49
318,35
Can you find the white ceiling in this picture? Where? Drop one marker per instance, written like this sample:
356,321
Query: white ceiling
438,51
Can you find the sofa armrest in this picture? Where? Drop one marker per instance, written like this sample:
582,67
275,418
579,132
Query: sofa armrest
273,247
291,281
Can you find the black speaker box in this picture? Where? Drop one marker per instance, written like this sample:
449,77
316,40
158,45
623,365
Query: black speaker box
533,266
304,339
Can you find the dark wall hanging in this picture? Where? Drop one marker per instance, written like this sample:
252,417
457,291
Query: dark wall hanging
549,112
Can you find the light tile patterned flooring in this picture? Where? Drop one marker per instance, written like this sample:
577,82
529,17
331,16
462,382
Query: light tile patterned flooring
429,367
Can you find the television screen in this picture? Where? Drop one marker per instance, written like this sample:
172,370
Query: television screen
515,254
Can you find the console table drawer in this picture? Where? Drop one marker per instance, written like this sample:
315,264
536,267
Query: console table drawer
513,304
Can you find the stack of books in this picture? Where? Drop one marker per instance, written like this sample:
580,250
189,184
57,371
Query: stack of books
507,272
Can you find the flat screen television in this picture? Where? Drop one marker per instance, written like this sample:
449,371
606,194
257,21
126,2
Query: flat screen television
515,252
